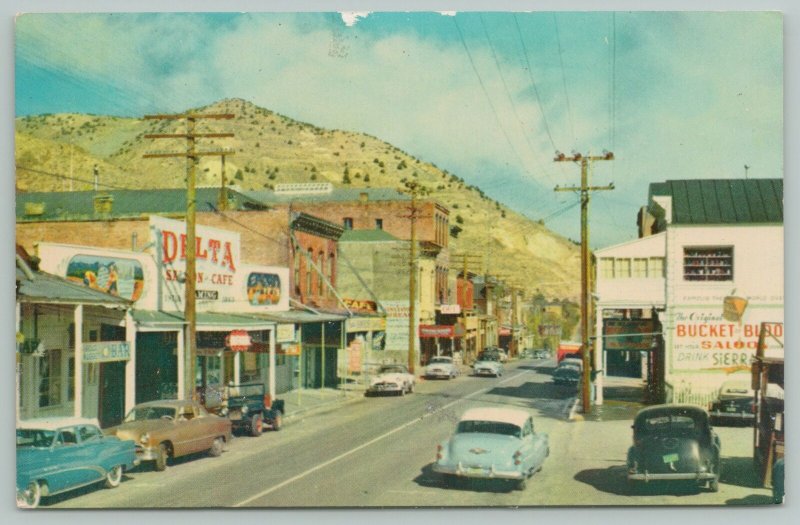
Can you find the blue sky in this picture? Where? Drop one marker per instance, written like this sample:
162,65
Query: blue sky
487,96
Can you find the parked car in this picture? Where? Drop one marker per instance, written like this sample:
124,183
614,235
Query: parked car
488,364
735,404
249,408
540,353
674,442
61,454
567,375
441,367
393,379
572,361
173,428
491,353
497,443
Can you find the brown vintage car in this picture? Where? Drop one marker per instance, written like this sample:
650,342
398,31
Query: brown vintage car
173,428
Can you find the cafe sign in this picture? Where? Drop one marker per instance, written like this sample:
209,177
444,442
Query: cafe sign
106,351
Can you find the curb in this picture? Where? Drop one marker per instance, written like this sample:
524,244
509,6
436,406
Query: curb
322,408
571,411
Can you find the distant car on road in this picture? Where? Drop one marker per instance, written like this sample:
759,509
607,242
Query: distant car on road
566,375
173,428
392,379
493,443
735,404
488,364
441,367
248,407
61,454
674,443
540,353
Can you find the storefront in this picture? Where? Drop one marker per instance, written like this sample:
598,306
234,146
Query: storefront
73,349
365,337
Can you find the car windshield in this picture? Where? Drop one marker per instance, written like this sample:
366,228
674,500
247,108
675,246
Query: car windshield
145,413
245,390
488,427
32,438
674,425
392,370
489,356
440,361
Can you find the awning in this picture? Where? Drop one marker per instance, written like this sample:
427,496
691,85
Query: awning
300,316
205,321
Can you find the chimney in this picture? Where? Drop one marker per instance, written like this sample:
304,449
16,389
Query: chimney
363,197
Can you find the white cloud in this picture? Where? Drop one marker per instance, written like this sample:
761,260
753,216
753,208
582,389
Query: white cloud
351,17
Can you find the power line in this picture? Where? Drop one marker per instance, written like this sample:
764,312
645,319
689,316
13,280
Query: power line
564,78
533,83
486,92
510,98
66,177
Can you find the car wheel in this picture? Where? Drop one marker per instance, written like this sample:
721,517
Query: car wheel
402,391
161,458
522,483
713,485
216,447
277,423
114,477
30,497
411,388
256,425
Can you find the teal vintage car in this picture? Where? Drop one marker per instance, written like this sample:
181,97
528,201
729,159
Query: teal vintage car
493,443
60,454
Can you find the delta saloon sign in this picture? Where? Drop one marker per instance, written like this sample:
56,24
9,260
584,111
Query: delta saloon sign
217,255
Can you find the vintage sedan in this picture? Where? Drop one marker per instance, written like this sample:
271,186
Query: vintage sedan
173,428
735,404
674,443
441,367
60,454
567,375
493,443
392,379
488,364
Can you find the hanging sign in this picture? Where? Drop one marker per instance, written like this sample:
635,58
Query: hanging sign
238,341
105,351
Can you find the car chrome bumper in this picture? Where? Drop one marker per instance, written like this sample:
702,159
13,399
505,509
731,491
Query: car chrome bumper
438,373
382,388
735,415
146,453
647,476
477,472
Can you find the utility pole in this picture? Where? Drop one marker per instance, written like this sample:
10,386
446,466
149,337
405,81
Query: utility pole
584,190
415,189
466,260
222,201
192,155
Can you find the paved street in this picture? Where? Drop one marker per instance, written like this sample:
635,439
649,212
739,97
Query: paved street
378,451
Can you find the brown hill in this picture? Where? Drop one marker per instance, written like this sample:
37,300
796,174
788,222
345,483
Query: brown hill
60,153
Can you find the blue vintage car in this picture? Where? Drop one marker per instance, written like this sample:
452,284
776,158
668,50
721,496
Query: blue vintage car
493,443
61,454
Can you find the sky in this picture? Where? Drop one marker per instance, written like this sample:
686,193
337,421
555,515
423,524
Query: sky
488,96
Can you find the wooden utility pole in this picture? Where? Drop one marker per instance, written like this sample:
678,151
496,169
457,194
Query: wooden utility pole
466,260
192,155
586,299
222,201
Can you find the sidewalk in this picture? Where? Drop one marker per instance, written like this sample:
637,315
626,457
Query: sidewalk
623,397
300,403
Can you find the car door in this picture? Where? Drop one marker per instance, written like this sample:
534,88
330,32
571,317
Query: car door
206,429
189,438
539,446
70,460
94,455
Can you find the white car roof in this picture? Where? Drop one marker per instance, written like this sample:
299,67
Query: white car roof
54,423
502,415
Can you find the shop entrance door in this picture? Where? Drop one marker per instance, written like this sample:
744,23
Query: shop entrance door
112,393
156,366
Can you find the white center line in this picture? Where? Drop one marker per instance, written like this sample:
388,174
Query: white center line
368,443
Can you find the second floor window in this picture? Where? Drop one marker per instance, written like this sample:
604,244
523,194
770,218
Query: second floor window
378,224
348,223
708,263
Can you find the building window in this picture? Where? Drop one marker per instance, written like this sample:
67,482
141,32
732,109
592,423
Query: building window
378,224
708,264
50,379
640,268
323,288
622,268
71,379
296,280
332,271
348,223
607,268
655,267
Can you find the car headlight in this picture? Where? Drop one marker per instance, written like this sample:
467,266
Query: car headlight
244,409
144,438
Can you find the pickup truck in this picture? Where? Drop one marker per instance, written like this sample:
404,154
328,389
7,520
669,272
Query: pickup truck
248,407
